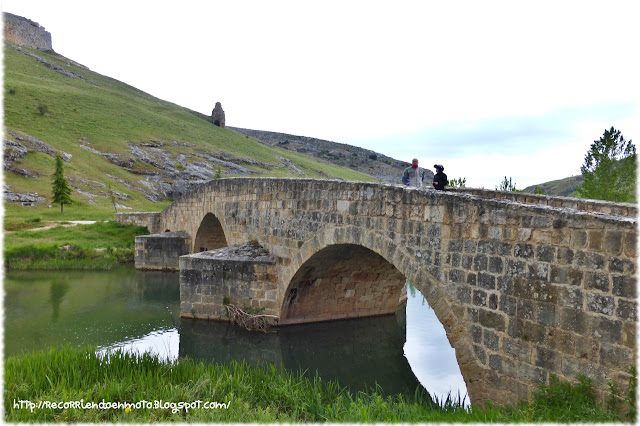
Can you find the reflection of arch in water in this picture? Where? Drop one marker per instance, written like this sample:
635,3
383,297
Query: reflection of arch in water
210,235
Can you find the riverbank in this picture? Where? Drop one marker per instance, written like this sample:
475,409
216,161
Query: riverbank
99,245
238,393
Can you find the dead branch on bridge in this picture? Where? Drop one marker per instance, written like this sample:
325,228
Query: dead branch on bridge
251,321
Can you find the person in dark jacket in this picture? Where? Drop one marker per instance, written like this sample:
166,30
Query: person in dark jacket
439,179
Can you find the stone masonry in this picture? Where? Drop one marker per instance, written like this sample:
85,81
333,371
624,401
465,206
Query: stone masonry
161,252
523,289
217,115
24,32
244,274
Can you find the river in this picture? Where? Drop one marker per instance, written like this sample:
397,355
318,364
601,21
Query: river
140,311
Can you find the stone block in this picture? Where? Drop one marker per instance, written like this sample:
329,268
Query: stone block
508,304
531,374
597,280
545,314
502,365
546,253
491,320
491,340
624,286
606,329
589,260
525,251
486,281
548,359
562,341
496,265
627,310
476,333
596,238
480,354
479,298
600,304
574,320
613,356
613,243
588,349
565,275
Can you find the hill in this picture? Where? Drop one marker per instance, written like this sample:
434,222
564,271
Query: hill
122,147
566,187
383,168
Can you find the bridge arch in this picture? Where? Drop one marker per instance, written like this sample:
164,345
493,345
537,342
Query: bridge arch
398,258
210,234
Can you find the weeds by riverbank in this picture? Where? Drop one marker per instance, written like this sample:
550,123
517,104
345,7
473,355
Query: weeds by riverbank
262,395
101,245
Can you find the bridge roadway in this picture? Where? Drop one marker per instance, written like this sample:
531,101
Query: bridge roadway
525,285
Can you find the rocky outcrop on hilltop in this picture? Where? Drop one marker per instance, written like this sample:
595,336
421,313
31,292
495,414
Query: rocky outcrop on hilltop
383,168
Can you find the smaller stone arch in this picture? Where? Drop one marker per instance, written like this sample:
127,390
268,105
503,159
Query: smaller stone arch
210,235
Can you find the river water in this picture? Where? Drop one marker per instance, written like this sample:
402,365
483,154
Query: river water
140,311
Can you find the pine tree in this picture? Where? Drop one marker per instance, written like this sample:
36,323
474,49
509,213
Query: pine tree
610,169
61,188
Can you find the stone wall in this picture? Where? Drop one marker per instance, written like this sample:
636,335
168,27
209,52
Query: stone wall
161,251
149,219
24,32
523,290
596,206
245,274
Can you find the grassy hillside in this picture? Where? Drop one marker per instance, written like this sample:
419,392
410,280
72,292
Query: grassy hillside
566,187
88,119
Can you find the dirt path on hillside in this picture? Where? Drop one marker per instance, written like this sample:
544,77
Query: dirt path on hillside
65,224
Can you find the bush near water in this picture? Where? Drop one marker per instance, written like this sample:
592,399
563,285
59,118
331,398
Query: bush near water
260,394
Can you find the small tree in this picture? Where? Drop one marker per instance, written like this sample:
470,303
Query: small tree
458,183
507,185
609,170
61,188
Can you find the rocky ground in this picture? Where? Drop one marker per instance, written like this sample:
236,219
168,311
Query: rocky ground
381,167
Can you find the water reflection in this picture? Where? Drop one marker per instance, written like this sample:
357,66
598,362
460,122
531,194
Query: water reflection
139,312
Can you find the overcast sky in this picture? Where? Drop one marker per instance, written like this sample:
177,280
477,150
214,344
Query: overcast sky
487,88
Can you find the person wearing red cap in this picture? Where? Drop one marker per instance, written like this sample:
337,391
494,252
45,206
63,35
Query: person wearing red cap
413,175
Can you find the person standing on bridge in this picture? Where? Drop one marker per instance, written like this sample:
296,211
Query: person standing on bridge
439,179
413,175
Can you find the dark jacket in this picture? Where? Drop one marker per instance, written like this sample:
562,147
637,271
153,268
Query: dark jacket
440,180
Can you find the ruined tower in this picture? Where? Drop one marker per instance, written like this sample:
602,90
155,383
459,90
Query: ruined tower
217,115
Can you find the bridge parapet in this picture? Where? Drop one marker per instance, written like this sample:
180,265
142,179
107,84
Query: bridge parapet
596,206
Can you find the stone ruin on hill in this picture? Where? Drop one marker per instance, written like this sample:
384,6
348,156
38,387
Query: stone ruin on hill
217,115
24,32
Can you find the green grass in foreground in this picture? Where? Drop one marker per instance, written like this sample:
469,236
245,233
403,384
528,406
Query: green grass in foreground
101,245
261,395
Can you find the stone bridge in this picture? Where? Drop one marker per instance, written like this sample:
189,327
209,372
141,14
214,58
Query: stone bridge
524,285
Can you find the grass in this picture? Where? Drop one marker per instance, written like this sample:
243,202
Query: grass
108,117
101,245
261,394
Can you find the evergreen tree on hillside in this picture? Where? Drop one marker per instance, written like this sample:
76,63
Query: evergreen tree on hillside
610,169
61,188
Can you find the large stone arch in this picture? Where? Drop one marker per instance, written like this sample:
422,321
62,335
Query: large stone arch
210,234
476,377
342,281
